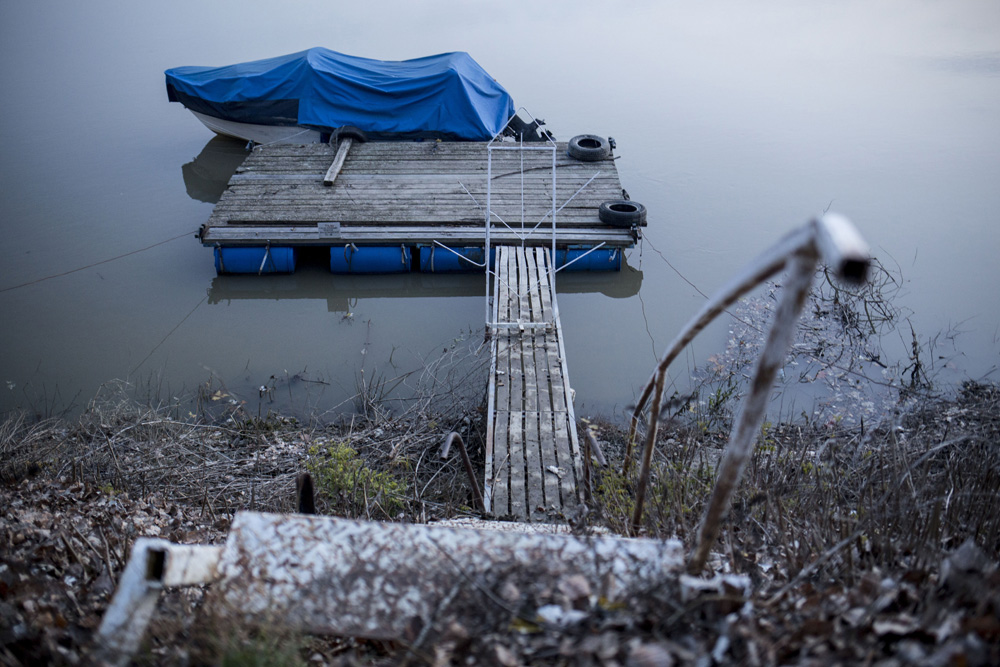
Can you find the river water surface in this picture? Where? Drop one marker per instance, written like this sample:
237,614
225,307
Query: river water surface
735,122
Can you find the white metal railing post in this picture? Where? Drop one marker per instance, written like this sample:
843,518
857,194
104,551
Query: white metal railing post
552,277
489,212
830,238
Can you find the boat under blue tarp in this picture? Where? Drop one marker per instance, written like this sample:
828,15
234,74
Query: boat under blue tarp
446,96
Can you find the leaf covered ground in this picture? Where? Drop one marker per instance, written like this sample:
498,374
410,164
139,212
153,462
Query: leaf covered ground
875,545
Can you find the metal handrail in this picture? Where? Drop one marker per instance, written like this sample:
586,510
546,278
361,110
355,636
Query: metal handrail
830,238
548,145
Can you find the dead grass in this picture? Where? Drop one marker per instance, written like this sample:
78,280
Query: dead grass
852,536
910,488
862,543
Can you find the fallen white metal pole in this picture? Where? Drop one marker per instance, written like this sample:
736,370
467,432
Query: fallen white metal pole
392,580
153,564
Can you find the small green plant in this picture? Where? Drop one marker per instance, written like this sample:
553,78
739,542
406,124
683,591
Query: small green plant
354,488
766,442
262,652
613,493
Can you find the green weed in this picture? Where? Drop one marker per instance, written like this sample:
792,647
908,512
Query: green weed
353,488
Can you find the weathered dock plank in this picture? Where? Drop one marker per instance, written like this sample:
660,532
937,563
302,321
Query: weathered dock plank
539,285
519,503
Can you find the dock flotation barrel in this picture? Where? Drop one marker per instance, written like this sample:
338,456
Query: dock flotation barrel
254,259
369,259
577,258
434,259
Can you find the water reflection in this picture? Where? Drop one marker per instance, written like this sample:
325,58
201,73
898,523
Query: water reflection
342,293
207,176
985,64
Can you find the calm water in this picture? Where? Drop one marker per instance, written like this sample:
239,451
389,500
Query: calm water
734,122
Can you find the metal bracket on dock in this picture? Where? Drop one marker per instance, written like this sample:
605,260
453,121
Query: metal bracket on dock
521,326
328,230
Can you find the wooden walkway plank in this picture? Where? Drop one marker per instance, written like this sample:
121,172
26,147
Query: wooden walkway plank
502,452
568,462
532,454
540,433
501,460
534,480
519,506
554,472
525,291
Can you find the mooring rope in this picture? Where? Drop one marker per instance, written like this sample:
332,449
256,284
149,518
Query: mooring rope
253,144
90,266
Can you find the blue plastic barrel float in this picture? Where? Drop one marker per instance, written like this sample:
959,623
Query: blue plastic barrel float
602,259
254,259
369,259
435,259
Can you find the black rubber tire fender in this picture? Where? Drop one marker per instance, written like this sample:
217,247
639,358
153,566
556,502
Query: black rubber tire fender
350,132
589,148
622,213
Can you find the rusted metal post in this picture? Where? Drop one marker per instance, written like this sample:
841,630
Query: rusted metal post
469,470
595,447
591,448
766,265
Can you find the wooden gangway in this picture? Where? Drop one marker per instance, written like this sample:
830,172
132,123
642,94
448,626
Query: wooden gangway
533,462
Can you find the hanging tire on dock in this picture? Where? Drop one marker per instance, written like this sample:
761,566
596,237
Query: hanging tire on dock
349,132
622,213
589,148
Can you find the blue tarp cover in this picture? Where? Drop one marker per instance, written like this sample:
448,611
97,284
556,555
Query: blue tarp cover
447,95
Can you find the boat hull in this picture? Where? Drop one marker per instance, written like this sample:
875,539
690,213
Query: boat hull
260,134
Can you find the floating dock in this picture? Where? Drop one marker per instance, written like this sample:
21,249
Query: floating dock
533,462
413,206
519,212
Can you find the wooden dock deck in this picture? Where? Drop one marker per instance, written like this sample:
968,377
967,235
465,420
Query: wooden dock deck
533,462
413,193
